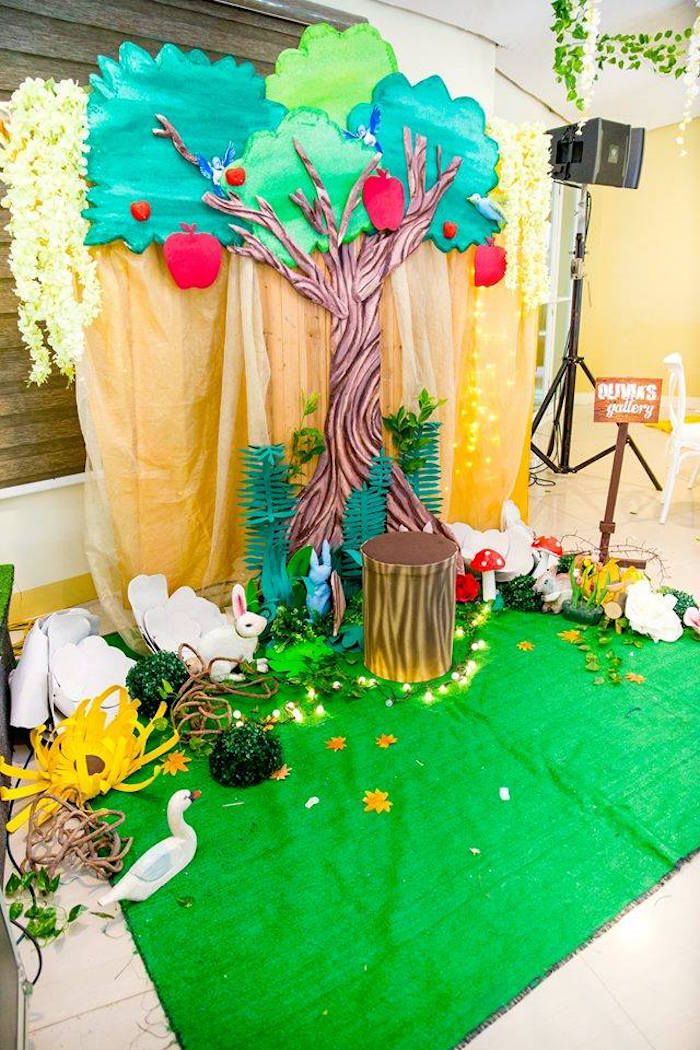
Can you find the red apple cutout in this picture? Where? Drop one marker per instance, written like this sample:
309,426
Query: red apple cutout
383,197
449,229
194,259
235,176
141,210
489,264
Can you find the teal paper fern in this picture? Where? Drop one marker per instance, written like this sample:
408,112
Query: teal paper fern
365,511
425,480
267,501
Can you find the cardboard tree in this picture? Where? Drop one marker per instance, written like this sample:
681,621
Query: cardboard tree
305,185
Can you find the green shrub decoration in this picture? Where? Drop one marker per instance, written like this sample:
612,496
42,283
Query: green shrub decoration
267,501
684,601
245,755
156,678
291,626
365,514
519,593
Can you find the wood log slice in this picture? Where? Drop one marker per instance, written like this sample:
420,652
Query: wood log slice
408,580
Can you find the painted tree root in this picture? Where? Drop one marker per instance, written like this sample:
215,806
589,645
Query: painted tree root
349,286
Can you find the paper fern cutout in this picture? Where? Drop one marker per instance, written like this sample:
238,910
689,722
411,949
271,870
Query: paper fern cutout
425,480
365,512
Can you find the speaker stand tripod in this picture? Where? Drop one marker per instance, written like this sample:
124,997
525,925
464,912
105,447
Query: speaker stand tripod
564,382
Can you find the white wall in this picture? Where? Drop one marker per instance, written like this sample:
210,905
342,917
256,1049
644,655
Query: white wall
42,535
514,104
425,46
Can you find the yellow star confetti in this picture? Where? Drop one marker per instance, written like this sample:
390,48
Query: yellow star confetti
632,677
282,773
526,647
176,762
386,740
377,801
336,743
572,636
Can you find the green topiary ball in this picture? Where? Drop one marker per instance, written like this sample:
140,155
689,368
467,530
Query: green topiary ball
519,594
245,755
684,601
154,679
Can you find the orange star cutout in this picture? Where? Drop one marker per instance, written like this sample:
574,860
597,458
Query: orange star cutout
526,647
632,677
282,773
176,762
377,801
386,740
572,636
336,743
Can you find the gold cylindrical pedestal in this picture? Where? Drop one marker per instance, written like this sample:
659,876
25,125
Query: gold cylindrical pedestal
408,581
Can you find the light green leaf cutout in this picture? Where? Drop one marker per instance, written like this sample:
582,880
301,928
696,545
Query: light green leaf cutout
274,171
457,125
210,104
332,70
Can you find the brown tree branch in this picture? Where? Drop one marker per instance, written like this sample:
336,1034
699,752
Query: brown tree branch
308,279
169,132
324,202
311,212
354,196
377,260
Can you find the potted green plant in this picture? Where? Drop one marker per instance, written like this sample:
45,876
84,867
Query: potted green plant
588,586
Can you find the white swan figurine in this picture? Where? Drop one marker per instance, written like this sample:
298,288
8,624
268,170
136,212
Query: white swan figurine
161,862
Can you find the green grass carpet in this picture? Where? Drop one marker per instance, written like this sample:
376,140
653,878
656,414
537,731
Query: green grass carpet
334,929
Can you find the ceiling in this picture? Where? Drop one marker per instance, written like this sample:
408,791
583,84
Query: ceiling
520,29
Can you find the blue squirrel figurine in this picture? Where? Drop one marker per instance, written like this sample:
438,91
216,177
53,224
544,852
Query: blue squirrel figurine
318,589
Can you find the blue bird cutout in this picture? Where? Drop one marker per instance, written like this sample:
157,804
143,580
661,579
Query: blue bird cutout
368,134
214,170
488,209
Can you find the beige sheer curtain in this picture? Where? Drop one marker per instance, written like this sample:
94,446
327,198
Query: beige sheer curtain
174,384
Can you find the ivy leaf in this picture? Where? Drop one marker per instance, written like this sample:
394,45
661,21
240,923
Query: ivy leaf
75,912
15,910
13,885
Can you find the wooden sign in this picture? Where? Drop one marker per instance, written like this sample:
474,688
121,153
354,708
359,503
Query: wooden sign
627,400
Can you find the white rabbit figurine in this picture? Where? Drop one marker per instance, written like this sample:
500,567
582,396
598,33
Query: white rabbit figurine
318,588
235,643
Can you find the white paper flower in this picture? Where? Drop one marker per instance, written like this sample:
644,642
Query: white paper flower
651,613
85,670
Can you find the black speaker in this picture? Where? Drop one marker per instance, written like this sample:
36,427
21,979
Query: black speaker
603,153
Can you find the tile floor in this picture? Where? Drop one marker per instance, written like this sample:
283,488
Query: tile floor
635,987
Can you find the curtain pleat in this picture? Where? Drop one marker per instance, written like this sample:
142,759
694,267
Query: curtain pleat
174,383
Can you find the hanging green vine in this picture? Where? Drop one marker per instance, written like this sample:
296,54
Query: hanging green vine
665,51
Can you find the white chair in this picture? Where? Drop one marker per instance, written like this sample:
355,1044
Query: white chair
685,437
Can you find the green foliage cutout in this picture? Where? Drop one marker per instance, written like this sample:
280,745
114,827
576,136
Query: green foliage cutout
365,512
425,478
332,70
417,444
210,103
267,501
274,171
457,125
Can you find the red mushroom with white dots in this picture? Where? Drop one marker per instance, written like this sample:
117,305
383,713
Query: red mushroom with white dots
488,562
550,550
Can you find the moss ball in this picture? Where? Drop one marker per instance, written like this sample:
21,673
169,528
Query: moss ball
684,601
245,755
519,593
154,679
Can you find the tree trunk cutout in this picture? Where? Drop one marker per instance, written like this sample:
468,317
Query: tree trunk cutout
349,287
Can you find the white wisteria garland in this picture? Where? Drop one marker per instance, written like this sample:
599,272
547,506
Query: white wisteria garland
524,193
690,81
42,163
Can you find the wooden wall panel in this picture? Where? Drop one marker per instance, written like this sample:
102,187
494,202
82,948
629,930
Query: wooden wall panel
39,430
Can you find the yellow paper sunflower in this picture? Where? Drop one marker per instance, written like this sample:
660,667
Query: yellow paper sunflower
88,754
